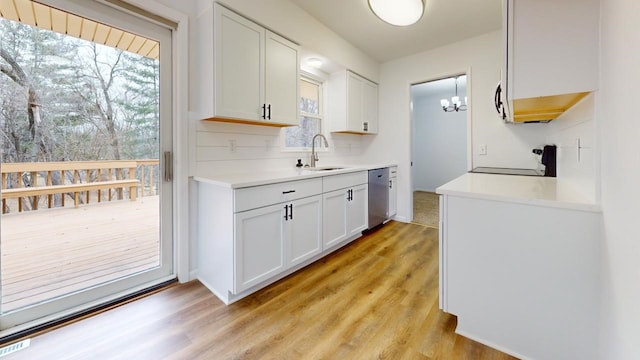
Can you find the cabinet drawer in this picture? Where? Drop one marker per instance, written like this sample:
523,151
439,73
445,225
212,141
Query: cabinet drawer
264,195
335,182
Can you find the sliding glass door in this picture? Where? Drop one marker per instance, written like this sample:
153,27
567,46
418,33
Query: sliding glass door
85,119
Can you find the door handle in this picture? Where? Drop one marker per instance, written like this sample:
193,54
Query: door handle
390,184
269,115
286,212
291,212
168,166
264,111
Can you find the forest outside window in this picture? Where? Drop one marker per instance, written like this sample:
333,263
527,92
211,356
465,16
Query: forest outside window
299,137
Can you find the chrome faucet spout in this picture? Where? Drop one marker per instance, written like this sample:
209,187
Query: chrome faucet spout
314,156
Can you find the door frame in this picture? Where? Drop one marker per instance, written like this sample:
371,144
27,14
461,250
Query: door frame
179,143
450,74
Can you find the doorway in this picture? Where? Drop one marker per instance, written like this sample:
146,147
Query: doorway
440,128
86,206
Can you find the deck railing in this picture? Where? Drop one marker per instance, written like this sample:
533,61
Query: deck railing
46,184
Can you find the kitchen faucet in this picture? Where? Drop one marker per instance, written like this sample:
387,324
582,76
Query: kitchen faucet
314,156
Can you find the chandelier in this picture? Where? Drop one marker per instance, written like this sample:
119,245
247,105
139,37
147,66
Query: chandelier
398,12
455,104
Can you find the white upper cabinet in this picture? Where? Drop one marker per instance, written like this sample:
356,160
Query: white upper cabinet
353,104
282,80
245,73
550,58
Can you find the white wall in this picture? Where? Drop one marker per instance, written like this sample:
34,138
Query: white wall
508,145
439,142
259,148
577,166
619,136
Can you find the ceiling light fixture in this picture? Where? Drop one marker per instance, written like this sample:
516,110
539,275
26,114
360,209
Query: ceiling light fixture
398,12
456,104
314,62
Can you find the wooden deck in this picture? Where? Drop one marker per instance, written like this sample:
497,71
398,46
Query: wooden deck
50,253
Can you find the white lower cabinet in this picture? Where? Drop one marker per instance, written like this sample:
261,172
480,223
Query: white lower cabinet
393,192
345,214
259,245
250,237
303,231
335,217
357,210
271,239
515,272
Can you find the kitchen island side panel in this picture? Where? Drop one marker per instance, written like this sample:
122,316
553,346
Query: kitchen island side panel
215,239
524,278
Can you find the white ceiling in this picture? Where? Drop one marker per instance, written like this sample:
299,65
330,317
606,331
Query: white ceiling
444,21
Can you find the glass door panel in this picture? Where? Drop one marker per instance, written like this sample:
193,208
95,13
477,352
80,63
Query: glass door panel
85,117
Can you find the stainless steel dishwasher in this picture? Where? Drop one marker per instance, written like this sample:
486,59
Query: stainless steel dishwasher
378,196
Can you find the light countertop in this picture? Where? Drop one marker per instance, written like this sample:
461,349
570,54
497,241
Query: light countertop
532,190
262,177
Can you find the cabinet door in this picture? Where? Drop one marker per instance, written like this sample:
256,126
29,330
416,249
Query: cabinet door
370,106
239,66
354,103
304,230
282,80
259,245
393,196
334,208
357,210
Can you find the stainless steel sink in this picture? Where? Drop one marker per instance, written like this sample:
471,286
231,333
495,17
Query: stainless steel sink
324,168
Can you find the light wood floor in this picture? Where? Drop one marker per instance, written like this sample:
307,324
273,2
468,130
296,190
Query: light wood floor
53,252
375,299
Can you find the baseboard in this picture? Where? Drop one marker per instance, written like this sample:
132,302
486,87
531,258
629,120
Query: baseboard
402,219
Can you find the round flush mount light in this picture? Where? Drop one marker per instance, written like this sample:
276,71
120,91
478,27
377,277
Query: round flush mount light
314,62
398,12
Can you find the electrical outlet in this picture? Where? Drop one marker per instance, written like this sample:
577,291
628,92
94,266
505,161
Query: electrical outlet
483,149
232,146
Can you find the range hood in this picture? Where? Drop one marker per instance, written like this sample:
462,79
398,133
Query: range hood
544,108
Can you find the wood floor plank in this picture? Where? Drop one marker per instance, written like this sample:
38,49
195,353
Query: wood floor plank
377,298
